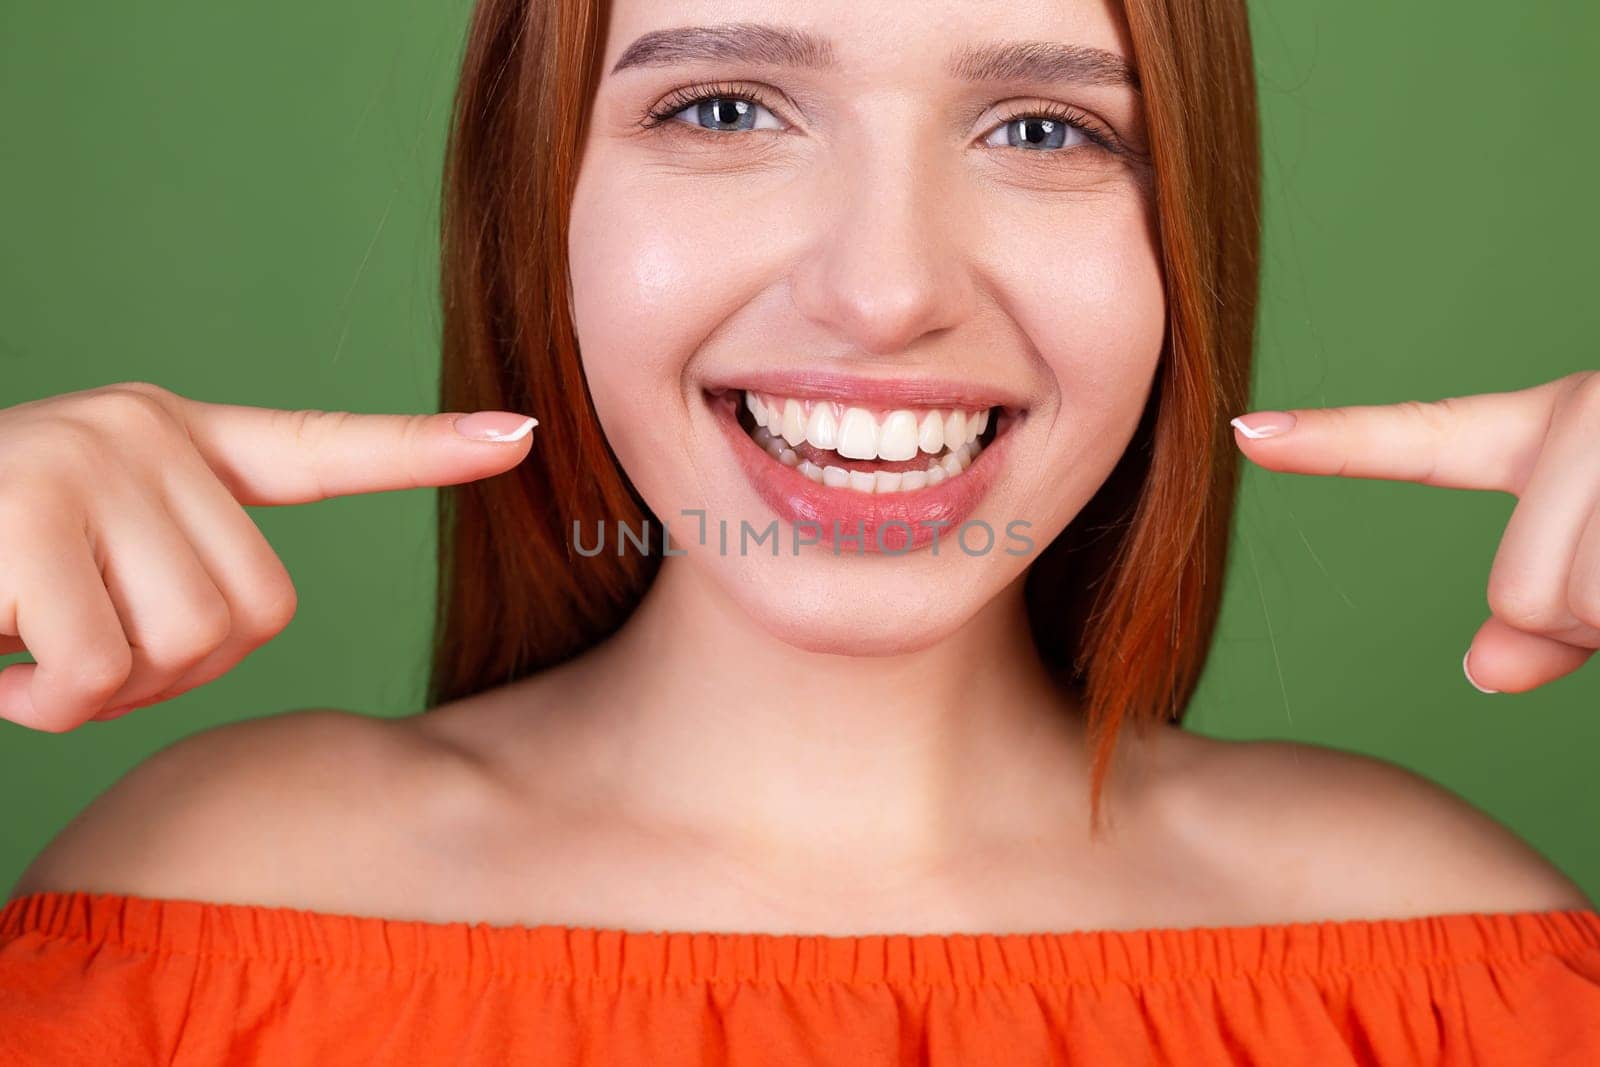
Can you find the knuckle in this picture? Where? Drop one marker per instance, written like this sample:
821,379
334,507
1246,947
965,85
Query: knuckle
1583,600
1581,402
414,433
1588,616
100,672
309,429
191,634
209,626
144,388
1436,415
130,410
56,724
53,720
272,607
1440,418
1583,386
310,426
1519,606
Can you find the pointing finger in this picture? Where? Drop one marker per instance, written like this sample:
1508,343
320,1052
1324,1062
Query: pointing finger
1484,441
273,456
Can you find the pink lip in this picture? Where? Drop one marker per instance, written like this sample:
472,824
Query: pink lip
892,523
871,392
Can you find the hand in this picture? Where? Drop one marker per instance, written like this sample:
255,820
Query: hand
129,568
1542,445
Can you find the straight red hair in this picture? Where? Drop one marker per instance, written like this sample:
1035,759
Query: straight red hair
1122,604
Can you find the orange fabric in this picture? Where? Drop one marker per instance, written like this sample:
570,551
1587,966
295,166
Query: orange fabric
108,979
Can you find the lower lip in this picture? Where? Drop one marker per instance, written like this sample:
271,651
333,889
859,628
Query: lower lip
893,523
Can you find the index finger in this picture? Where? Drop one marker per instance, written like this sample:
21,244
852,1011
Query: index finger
1482,441
276,456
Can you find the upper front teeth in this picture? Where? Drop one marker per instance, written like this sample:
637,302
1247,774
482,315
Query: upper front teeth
856,433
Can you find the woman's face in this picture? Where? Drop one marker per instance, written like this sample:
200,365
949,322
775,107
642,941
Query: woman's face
871,227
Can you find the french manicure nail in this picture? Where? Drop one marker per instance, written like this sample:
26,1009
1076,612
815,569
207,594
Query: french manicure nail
1264,423
1468,673
495,425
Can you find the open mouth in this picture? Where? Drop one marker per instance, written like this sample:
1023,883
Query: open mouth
869,450
880,465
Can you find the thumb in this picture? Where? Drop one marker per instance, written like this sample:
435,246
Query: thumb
274,456
1507,660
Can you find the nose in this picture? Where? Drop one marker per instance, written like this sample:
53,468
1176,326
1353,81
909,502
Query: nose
886,266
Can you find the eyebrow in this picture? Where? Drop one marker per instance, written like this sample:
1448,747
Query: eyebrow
1044,61
753,42
748,41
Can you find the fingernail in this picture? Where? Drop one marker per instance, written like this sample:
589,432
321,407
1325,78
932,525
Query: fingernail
1264,423
495,425
1468,673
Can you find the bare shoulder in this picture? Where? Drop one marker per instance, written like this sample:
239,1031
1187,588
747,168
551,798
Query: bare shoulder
1323,832
282,809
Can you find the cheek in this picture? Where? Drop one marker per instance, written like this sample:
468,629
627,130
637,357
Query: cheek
1088,294
635,282
654,272
1081,281
639,281
1086,285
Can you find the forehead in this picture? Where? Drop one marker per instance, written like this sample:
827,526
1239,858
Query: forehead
847,39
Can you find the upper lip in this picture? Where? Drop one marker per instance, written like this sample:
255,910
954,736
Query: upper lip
903,392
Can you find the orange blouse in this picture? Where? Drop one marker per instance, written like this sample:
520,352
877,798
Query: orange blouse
102,979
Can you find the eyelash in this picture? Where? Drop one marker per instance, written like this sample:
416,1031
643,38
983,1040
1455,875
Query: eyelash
662,114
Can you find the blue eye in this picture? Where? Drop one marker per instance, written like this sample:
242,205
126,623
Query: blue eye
725,113
1038,132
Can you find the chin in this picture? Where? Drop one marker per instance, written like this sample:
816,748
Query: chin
867,605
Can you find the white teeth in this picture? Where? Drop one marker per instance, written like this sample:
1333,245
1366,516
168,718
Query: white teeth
948,436
948,466
858,435
898,438
823,429
955,428
794,422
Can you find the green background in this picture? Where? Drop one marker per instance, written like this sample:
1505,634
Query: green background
239,202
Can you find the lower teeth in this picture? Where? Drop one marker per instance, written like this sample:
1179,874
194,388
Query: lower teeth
948,465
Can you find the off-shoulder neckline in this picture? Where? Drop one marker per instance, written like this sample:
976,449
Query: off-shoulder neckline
552,952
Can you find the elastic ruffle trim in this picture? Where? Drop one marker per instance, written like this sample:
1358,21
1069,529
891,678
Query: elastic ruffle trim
1091,957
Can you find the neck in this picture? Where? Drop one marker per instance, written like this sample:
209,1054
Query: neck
701,719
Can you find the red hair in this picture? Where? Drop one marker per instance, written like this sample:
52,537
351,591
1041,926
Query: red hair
1122,604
